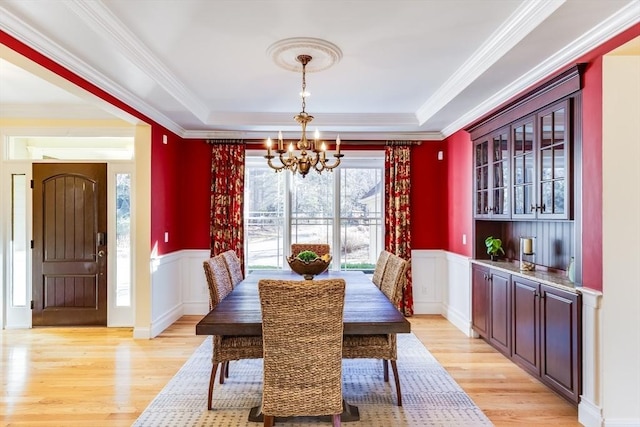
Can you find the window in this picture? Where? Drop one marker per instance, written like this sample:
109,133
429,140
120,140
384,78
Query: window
123,239
343,208
19,244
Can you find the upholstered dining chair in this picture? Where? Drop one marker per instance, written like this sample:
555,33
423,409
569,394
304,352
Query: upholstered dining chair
319,248
302,359
382,346
380,266
225,347
233,266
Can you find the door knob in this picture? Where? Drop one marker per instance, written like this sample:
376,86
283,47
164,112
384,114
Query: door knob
100,253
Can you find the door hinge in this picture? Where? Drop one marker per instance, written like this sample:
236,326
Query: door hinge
31,244
31,184
32,305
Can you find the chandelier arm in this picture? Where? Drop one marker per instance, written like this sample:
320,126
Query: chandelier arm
335,165
272,166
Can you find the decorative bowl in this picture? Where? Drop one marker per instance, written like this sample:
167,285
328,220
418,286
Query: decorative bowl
308,269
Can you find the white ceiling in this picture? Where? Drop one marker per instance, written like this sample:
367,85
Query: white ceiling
410,69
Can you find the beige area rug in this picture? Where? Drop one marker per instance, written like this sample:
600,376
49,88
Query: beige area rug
430,396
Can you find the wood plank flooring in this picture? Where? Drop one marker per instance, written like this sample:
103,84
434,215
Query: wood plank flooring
102,377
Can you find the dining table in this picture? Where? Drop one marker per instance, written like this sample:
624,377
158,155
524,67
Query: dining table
367,311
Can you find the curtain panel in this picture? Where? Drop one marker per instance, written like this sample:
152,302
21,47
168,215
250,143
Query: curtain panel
397,185
227,197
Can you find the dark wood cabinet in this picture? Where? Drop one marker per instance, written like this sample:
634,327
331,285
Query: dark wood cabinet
480,300
561,338
536,325
526,320
500,311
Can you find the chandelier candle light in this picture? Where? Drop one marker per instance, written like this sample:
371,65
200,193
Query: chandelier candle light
312,154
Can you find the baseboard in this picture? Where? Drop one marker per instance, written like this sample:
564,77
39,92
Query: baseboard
195,308
458,320
427,307
166,320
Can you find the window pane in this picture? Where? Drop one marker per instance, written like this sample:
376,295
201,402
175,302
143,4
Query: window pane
361,197
18,240
264,219
123,240
312,208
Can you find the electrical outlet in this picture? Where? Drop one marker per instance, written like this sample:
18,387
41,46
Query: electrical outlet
166,237
464,239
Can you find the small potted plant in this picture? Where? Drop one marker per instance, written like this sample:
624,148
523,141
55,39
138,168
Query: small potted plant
494,246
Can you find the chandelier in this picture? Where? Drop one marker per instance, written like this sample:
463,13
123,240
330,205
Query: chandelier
312,154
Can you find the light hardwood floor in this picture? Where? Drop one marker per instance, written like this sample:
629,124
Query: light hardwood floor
102,377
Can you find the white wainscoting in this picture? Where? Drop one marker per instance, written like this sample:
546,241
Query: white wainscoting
178,287
441,285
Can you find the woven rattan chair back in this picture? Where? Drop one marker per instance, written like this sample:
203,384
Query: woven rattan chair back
221,279
319,248
302,347
233,266
225,348
378,273
394,278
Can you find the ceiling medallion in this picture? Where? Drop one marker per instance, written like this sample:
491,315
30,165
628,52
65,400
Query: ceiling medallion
285,53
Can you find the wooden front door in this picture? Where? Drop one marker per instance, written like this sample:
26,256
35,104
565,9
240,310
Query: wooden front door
69,244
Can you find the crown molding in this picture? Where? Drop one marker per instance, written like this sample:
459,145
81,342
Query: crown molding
517,26
104,23
282,121
614,25
344,136
23,32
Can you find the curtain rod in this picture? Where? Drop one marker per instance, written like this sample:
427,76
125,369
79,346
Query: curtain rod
226,141
345,142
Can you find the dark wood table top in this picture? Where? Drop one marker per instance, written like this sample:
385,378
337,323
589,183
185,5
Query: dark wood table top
366,309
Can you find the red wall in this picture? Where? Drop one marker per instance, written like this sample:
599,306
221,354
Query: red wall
460,179
428,196
165,212
195,193
592,176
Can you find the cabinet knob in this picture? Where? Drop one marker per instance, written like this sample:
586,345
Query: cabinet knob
533,208
543,208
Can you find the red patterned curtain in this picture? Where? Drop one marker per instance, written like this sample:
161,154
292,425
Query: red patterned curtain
227,197
397,186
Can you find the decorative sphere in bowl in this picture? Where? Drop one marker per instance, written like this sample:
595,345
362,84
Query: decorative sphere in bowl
309,269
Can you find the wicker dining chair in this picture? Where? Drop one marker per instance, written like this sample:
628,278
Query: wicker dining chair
225,347
319,248
382,346
233,266
302,348
380,266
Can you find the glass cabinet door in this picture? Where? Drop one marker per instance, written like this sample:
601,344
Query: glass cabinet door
524,197
481,169
499,204
553,152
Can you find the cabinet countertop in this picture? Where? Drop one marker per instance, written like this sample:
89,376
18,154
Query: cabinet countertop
557,280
